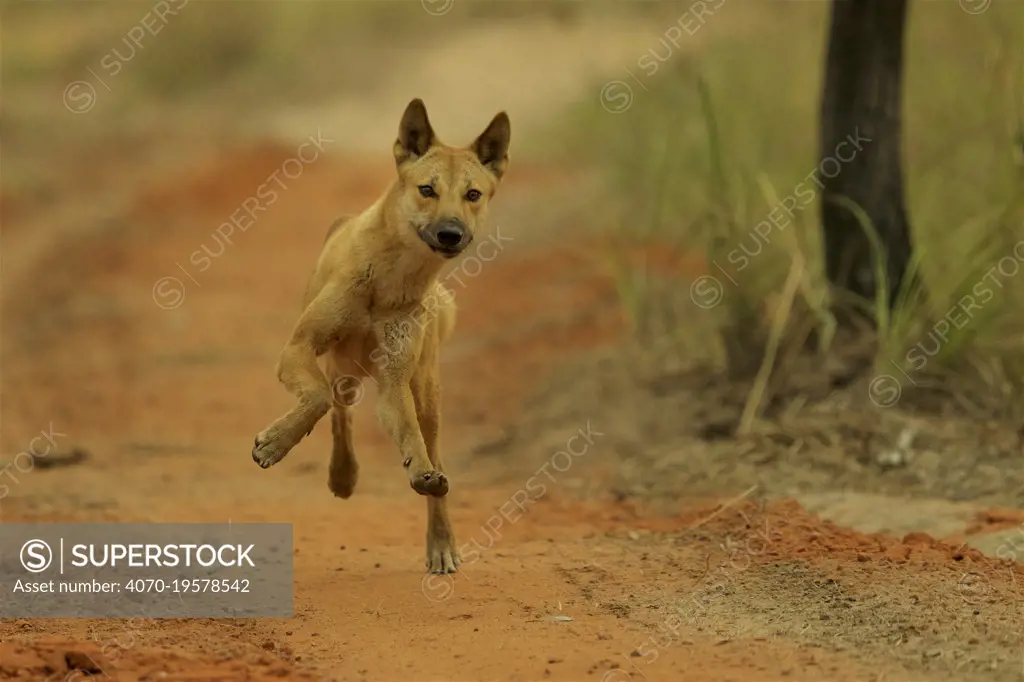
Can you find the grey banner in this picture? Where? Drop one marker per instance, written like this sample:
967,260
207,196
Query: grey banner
146,570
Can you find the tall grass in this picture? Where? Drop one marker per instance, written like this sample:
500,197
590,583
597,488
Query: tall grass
730,125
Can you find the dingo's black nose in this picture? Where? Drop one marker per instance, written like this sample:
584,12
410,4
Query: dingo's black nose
450,235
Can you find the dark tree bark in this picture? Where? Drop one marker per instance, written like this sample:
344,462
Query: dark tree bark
861,113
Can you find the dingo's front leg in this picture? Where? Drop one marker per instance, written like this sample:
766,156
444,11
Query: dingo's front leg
319,326
399,341
442,553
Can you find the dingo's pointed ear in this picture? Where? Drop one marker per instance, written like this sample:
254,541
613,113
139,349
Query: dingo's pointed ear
415,136
492,145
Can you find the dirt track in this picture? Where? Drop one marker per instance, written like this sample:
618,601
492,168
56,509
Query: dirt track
166,400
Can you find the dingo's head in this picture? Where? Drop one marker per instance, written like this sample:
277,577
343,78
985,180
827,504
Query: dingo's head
442,191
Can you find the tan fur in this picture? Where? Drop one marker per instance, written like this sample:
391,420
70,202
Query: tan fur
374,308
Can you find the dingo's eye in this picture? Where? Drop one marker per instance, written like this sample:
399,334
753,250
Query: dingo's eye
473,195
427,191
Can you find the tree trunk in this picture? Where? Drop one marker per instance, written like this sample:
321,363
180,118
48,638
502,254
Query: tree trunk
861,144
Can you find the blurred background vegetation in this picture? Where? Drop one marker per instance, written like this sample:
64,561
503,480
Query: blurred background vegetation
708,146
717,139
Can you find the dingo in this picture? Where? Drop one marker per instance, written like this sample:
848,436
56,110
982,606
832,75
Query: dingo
374,307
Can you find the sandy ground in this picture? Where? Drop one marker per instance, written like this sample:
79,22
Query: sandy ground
164,383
